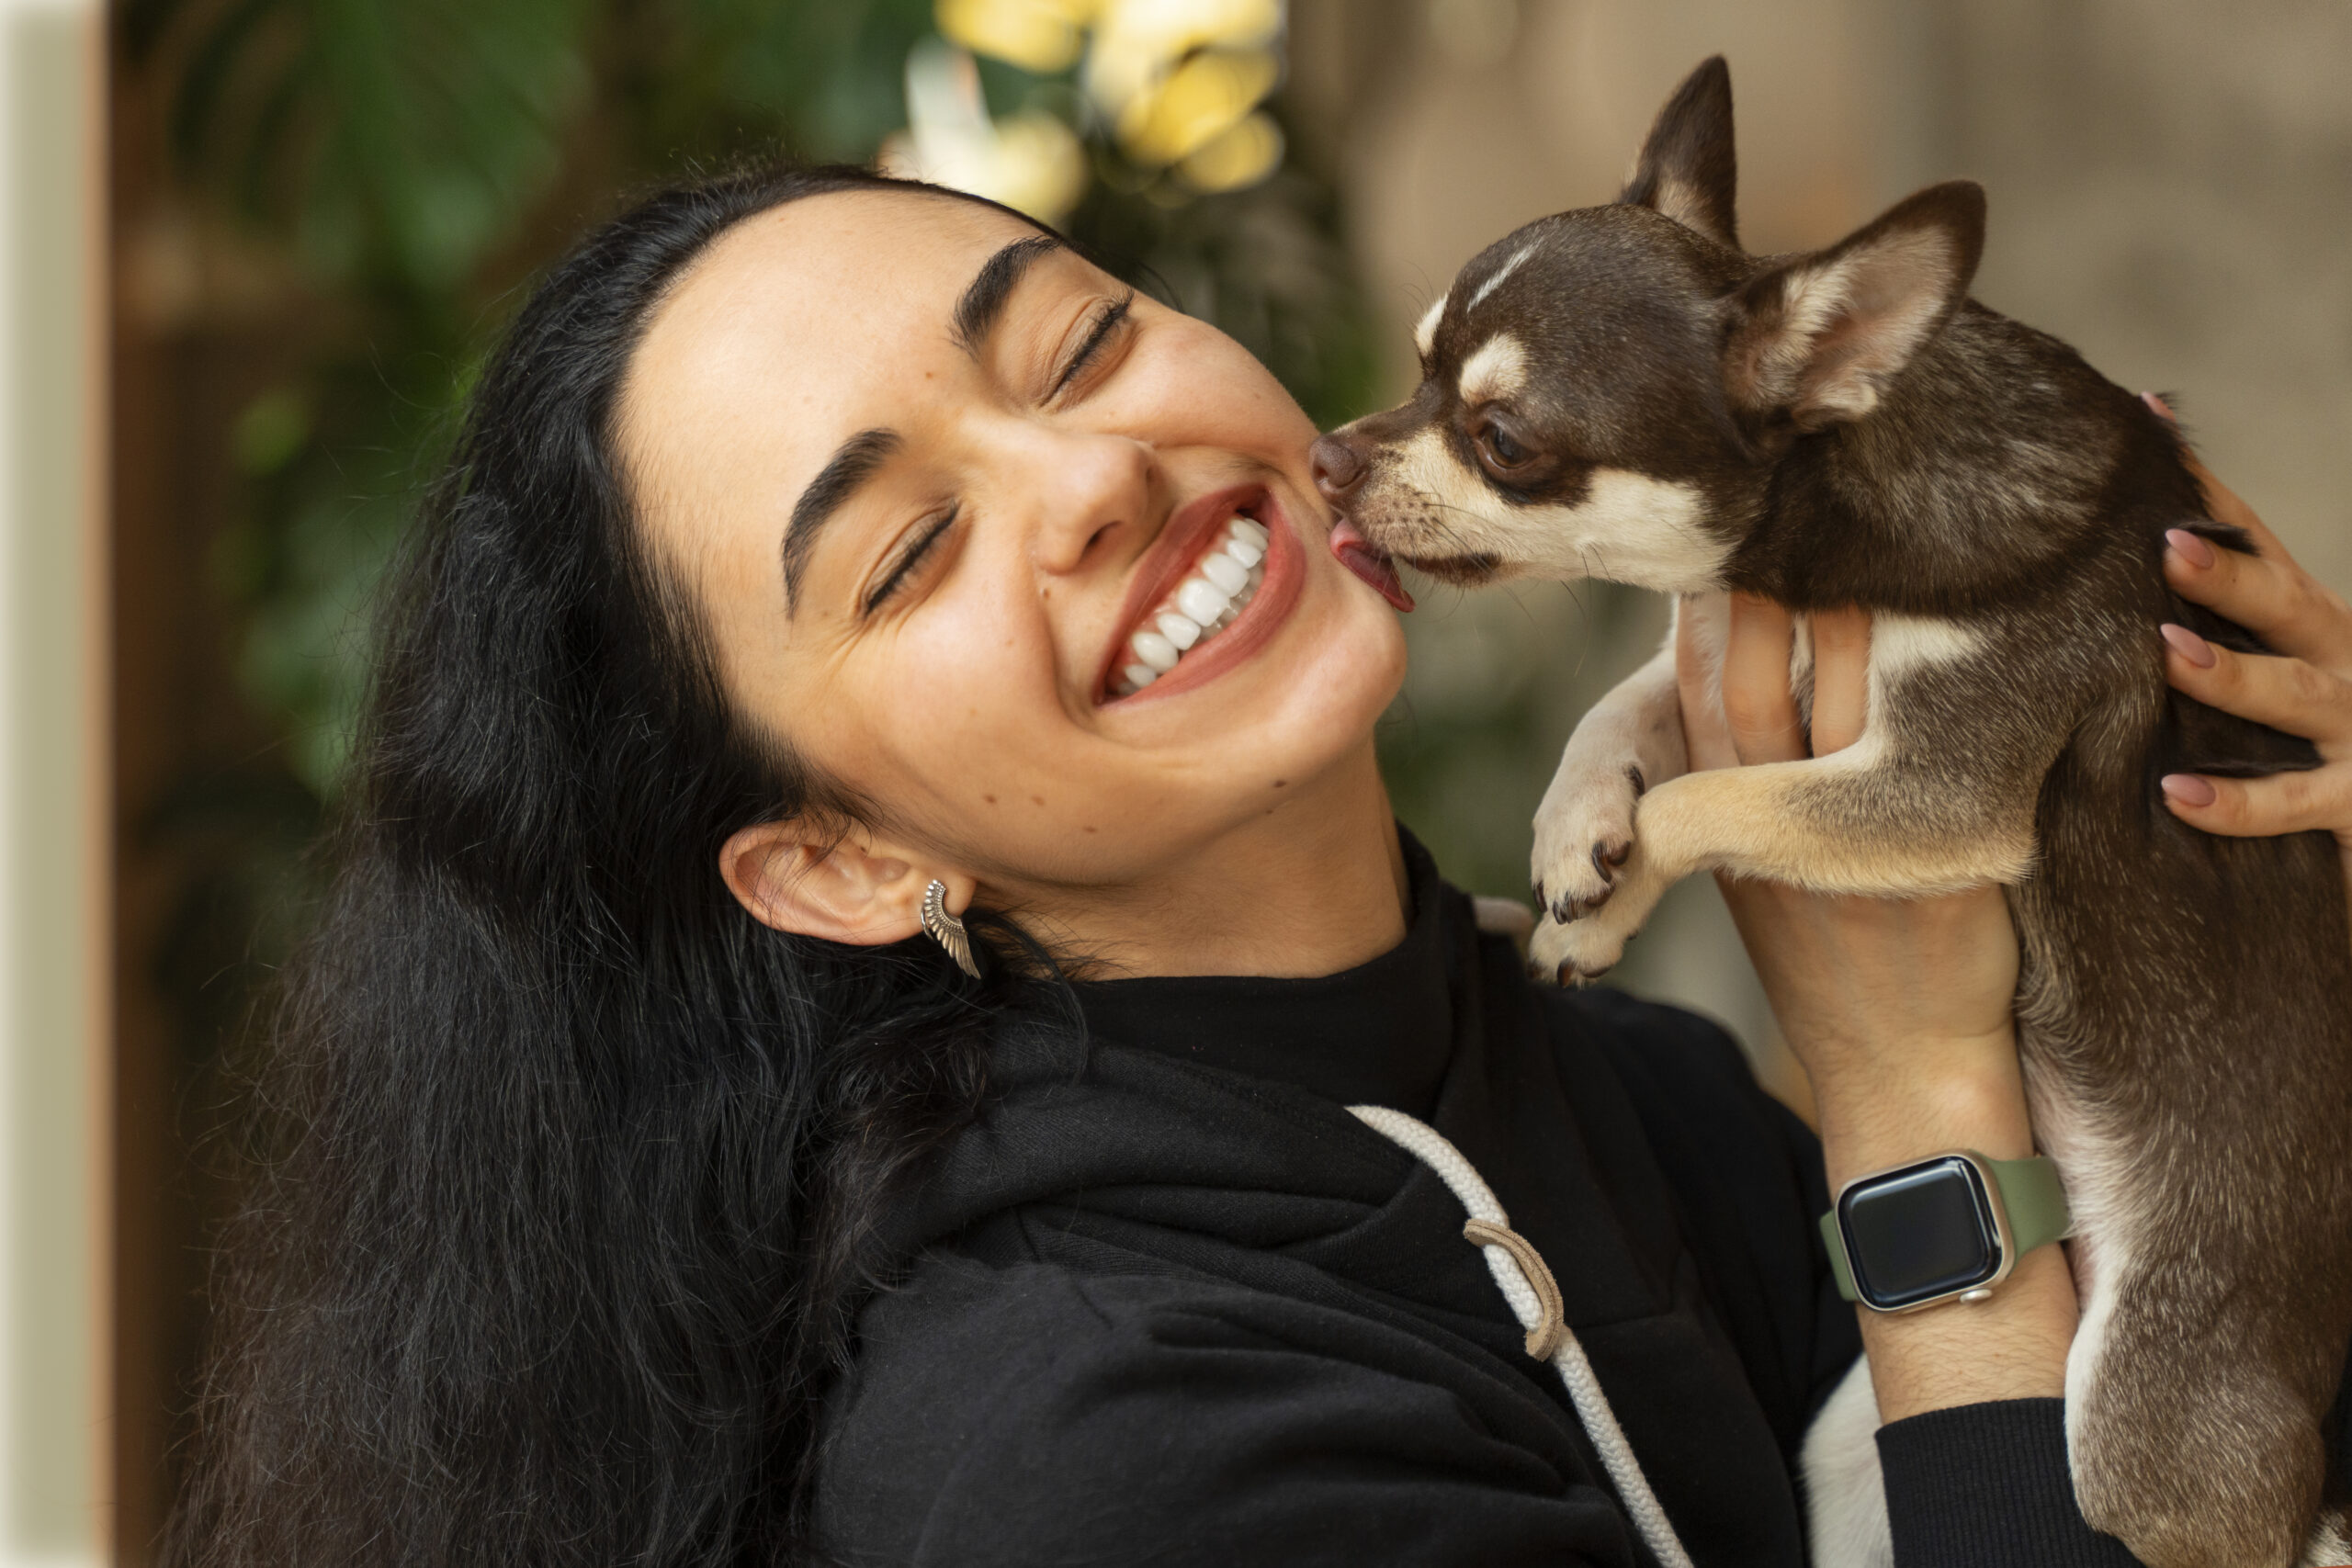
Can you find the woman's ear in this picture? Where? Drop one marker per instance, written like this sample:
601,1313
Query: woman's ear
839,887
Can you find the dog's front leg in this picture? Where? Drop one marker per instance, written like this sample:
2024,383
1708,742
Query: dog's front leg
1868,819
1629,742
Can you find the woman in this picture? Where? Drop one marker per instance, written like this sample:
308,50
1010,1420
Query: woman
653,1190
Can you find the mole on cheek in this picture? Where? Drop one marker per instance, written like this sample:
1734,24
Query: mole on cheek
1036,800
1280,784
989,798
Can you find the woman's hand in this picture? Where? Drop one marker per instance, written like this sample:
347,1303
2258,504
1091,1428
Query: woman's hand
1872,993
2304,689
1899,1010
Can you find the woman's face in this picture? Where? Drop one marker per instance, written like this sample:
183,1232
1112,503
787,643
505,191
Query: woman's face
930,474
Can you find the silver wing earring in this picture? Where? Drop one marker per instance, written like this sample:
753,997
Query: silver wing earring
946,930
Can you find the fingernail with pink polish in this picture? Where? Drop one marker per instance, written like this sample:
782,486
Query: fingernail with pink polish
2189,646
2190,548
2156,403
2189,789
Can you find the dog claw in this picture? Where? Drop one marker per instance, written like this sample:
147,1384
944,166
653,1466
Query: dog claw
1564,975
1606,859
1568,909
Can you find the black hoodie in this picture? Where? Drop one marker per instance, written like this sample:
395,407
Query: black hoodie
1169,1302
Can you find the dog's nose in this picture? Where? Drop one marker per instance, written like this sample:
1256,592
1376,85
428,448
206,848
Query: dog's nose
1337,468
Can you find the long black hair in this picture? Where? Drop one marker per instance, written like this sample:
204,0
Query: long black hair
579,1168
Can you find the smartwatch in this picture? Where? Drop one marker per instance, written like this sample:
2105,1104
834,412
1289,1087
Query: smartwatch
1950,1225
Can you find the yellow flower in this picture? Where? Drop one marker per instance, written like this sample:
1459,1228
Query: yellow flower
1040,36
1031,161
1137,42
1200,101
1238,157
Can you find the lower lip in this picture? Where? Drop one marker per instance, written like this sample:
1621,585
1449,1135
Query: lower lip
1259,620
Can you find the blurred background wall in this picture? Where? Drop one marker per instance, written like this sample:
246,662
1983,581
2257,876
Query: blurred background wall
322,210
53,853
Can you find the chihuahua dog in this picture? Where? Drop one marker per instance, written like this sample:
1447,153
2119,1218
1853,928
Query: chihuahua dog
1623,392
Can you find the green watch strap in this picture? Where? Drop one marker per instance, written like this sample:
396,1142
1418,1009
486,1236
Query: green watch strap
1839,1269
2031,1195
2035,1199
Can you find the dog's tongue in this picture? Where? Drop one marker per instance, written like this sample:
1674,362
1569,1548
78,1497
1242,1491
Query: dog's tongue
1370,562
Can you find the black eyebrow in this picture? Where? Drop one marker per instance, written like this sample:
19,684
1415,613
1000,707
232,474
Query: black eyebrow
853,463
984,298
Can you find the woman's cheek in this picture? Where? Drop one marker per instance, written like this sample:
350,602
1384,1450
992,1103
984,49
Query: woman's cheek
1201,388
966,691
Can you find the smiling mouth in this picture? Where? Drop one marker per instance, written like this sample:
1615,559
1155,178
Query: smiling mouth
1212,595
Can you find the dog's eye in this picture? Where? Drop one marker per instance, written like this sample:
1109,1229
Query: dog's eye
1499,450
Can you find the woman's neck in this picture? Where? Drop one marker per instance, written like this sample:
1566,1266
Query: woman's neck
1313,886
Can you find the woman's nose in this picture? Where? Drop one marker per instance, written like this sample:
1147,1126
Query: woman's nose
1094,487
1338,466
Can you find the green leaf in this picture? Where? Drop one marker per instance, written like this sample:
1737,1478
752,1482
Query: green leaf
396,141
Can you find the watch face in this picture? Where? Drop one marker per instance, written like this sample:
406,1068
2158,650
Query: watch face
1921,1233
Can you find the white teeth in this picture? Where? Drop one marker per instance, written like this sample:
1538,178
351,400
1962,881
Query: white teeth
1155,650
1202,600
1222,583
1225,572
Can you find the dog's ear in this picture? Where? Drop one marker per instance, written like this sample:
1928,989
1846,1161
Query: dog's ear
1688,170
1820,335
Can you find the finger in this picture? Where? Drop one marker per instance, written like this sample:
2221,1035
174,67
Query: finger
2282,803
1698,630
2267,593
2271,597
2285,694
2220,502
1758,703
1841,677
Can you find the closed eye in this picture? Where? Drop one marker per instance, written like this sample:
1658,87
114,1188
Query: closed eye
1108,318
909,559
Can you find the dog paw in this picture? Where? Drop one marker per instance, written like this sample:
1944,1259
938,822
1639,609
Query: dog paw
1584,835
1574,952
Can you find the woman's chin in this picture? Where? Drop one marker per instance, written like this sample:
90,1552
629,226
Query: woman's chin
1323,687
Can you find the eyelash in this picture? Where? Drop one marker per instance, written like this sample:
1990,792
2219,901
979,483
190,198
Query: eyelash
908,561
1106,320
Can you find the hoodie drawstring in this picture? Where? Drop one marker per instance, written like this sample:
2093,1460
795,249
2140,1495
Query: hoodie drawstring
1534,1299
